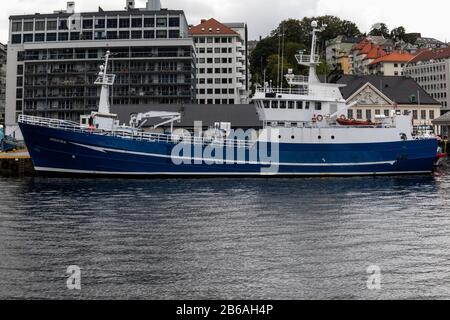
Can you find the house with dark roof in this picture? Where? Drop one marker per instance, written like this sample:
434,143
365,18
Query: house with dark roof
380,95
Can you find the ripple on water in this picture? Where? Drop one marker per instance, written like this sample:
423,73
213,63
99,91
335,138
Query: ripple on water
225,238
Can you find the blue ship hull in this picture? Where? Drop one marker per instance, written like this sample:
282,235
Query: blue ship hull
62,152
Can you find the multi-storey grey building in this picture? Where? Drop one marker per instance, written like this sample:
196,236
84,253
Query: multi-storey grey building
53,60
431,69
2,82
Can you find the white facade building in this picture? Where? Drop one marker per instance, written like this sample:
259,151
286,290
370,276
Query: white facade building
222,63
431,70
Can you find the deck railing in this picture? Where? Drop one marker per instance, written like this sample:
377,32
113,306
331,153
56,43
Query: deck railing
135,134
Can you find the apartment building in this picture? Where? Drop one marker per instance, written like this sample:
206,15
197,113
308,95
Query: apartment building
2,82
222,64
338,49
53,60
366,51
430,68
392,64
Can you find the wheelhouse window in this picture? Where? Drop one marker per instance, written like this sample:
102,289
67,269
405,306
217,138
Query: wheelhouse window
274,104
291,104
282,104
318,105
299,104
307,104
266,104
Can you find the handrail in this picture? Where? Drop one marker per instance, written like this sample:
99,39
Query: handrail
124,132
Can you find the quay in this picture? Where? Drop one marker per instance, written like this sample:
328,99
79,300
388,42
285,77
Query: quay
16,164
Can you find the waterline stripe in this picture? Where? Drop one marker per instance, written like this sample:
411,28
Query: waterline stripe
48,169
155,155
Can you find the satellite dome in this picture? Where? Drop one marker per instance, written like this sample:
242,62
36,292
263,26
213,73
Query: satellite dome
314,24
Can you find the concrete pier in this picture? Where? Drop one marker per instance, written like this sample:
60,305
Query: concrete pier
16,164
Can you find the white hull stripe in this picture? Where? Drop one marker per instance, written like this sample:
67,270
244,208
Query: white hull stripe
58,170
155,155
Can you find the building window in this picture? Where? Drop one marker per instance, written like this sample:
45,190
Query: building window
149,22
174,22
112,23
350,114
124,34
386,112
88,23
136,34
124,23
19,82
18,105
111,35
51,37
369,114
423,114
415,117
149,34
63,25
16,38
173,34
74,36
99,23
161,22
63,36
16,26
358,114
28,38
136,22
161,34
28,26
19,93
431,114
85,36
39,37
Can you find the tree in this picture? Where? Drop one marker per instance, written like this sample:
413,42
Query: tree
380,29
398,34
296,35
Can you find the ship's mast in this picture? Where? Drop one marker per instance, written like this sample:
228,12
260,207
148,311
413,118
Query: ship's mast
314,58
105,80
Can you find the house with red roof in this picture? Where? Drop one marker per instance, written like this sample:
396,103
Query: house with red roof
390,64
365,52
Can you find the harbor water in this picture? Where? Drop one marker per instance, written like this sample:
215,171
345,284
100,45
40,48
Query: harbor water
226,238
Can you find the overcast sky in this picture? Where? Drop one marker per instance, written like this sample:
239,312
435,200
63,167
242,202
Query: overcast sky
430,17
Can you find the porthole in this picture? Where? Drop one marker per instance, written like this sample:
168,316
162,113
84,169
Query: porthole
292,137
319,137
279,137
332,137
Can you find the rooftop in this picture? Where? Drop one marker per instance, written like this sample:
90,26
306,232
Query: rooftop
398,89
239,115
211,27
426,55
395,56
